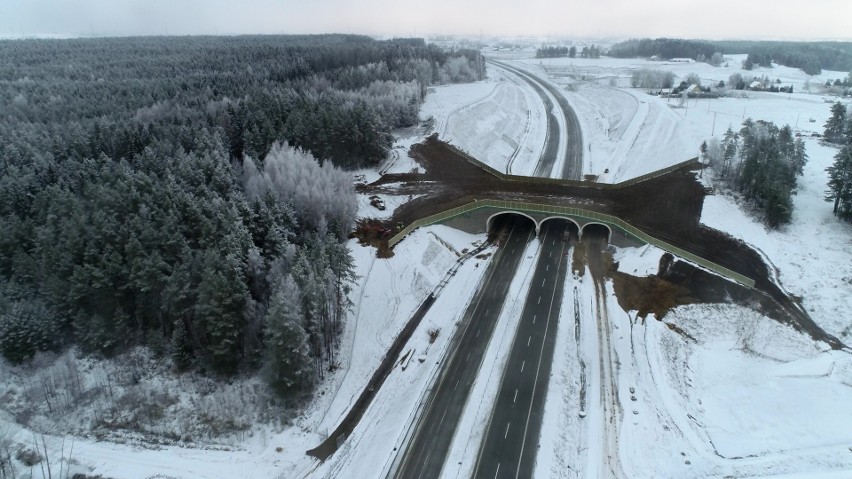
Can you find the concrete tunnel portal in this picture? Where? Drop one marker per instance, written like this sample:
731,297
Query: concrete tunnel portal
574,227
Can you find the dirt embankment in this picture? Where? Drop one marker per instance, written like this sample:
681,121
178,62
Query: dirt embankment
667,207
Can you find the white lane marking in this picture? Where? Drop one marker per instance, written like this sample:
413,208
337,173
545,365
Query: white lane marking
528,341
477,333
516,397
468,358
547,267
538,368
506,434
539,300
522,365
543,281
457,384
498,470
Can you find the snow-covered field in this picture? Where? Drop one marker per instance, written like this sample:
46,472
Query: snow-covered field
746,397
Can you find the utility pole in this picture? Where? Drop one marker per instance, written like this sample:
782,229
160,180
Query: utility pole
713,131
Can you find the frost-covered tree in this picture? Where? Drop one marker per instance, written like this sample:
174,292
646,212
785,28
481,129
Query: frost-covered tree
693,79
322,193
27,327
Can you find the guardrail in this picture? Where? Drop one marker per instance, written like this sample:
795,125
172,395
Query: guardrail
575,183
575,212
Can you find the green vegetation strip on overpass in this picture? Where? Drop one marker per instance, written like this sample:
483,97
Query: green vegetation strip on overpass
609,220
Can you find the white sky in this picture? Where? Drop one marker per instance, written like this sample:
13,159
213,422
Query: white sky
712,19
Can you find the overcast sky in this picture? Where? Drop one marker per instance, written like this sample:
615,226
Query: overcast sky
713,19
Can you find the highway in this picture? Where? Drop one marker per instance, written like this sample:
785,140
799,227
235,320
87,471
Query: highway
572,166
511,440
425,453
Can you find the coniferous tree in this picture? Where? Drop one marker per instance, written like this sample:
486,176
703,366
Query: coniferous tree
836,126
181,347
222,296
287,362
730,148
768,162
26,327
840,183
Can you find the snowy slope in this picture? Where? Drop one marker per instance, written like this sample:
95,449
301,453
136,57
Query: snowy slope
495,121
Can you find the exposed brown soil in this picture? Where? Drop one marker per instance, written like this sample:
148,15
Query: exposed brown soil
649,294
667,207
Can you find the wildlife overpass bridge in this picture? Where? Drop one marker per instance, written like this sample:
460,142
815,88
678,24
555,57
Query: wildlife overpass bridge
477,215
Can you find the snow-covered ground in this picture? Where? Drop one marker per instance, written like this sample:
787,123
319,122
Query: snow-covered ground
748,397
496,120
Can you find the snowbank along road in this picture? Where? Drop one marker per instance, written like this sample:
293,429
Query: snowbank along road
569,150
425,453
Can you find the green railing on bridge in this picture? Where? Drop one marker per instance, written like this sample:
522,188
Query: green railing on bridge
575,212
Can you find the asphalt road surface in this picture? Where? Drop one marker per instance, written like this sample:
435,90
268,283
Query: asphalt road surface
425,454
511,441
544,168
572,168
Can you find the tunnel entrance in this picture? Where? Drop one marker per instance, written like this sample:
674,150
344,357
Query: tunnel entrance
597,231
566,227
499,225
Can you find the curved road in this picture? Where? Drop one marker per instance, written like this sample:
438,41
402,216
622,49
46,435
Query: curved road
572,167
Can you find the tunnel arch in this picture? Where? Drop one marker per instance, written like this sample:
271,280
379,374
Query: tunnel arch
597,226
574,227
489,222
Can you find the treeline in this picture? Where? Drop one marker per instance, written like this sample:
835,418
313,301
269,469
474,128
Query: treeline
560,52
555,52
763,163
338,96
838,130
666,48
810,57
145,199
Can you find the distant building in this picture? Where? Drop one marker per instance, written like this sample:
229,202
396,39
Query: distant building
755,85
